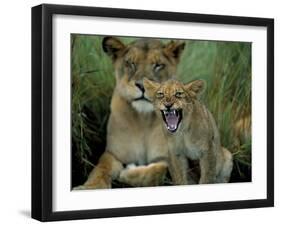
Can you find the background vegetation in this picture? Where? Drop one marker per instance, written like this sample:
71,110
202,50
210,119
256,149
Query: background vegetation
226,66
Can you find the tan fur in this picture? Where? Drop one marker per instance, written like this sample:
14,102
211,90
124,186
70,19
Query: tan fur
134,133
242,130
197,136
142,176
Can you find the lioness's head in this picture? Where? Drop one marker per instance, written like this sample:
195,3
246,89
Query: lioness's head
173,100
144,58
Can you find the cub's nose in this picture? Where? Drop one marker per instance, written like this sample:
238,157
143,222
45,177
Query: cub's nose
139,84
168,105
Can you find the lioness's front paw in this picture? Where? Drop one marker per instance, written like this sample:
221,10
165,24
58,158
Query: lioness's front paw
101,184
132,176
129,173
80,187
141,176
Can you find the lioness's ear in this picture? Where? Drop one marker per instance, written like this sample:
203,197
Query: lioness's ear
195,88
150,88
112,46
174,49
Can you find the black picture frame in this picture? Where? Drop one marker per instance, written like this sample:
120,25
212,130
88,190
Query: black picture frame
42,86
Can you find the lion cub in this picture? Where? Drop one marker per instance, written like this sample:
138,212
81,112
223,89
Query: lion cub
190,130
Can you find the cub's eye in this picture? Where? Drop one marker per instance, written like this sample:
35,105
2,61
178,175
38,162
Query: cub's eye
179,94
157,67
159,95
131,65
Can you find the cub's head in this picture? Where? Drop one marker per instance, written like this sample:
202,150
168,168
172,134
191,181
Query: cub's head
144,58
173,100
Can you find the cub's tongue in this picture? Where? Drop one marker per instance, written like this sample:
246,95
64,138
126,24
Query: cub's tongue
172,120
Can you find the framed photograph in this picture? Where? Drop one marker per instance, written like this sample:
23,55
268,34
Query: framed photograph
146,112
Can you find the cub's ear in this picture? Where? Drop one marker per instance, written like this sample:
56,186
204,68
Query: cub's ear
174,49
150,88
195,88
113,47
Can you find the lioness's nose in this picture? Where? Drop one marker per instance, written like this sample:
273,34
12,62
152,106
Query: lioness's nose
139,84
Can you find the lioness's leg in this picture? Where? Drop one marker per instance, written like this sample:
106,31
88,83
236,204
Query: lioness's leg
107,169
154,172
144,176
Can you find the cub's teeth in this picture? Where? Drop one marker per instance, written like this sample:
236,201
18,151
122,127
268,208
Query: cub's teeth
174,111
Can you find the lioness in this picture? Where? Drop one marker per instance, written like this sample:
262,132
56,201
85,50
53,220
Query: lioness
191,131
134,134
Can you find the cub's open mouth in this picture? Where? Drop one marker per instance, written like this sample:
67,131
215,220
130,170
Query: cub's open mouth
172,119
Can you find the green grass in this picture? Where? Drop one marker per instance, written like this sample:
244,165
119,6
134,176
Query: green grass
226,67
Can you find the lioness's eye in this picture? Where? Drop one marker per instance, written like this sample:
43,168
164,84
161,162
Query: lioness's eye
157,67
179,94
159,95
131,65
